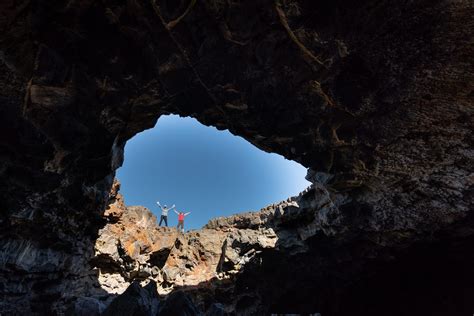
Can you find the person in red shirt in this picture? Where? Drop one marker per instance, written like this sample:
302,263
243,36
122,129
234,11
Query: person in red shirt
181,216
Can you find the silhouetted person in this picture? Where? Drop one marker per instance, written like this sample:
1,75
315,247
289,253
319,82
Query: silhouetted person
164,213
181,216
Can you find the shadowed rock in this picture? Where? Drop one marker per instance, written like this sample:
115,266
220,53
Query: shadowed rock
178,304
136,300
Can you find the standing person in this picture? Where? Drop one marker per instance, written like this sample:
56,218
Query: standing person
181,216
164,213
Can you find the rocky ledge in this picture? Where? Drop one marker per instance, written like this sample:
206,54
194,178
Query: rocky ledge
240,264
133,251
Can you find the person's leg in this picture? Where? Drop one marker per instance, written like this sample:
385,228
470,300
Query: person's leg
166,220
161,219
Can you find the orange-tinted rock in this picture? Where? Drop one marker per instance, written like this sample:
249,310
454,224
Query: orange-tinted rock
140,250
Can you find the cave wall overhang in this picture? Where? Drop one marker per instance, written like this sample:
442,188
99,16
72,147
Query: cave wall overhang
374,99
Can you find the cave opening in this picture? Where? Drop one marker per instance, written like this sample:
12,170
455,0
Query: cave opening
202,170
374,97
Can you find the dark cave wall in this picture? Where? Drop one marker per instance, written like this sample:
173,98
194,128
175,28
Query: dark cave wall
374,96
426,279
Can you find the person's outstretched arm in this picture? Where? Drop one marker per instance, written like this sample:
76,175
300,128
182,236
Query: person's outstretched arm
172,207
158,202
175,212
186,214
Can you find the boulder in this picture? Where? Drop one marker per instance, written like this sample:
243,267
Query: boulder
136,300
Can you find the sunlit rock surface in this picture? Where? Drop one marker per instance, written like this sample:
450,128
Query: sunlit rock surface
240,264
132,247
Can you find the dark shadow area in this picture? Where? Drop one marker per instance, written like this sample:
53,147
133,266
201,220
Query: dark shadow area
425,279
159,258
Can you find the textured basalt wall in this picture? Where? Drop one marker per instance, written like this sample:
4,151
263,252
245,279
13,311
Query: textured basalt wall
374,96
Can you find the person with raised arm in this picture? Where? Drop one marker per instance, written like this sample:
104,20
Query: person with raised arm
164,213
181,216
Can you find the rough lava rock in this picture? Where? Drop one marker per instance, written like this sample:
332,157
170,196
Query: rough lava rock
131,246
136,300
131,250
240,264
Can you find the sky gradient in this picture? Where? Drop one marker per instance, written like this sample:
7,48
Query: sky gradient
204,171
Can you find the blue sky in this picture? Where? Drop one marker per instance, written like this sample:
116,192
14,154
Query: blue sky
200,169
